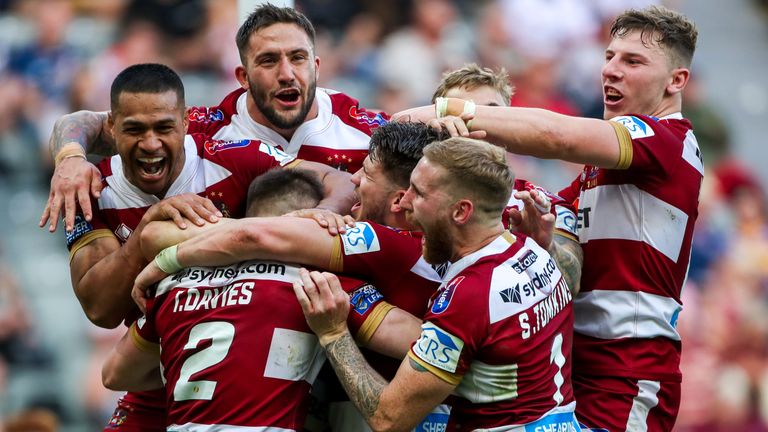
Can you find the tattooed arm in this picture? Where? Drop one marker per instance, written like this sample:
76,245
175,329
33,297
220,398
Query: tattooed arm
569,258
395,406
74,178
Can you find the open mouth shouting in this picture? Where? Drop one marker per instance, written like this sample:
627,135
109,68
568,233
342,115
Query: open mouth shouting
288,97
151,168
612,96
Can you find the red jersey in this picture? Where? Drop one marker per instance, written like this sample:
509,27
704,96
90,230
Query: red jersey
219,170
635,226
234,345
500,328
339,136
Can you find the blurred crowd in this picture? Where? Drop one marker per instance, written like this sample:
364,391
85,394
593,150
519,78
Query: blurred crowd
58,56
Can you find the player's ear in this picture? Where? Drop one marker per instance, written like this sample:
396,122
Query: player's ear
242,76
394,205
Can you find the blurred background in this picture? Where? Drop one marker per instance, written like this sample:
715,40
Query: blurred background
57,56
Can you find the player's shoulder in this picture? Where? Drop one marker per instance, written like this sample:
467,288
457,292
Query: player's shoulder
221,113
643,126
348,110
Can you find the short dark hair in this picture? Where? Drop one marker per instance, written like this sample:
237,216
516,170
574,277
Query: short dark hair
669,29
280,191
472,76
397,148
267,15
146,78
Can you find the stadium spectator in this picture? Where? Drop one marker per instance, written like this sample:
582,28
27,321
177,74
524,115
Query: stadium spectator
638,198
506,371
278,103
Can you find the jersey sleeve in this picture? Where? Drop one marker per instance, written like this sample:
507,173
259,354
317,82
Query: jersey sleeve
646,145
84,232
372,252
367,309
144,336
454,329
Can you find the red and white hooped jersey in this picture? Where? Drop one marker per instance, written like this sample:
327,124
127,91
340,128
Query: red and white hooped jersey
235,348
500,328
219,170
635,226
339,136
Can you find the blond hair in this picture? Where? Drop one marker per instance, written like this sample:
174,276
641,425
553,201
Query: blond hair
472,76
474,169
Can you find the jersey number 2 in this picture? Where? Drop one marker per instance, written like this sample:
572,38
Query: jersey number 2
221,334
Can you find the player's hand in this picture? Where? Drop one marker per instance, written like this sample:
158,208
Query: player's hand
457,126
419,114
535,220
184,207
148,277
74,181
324,302
333,222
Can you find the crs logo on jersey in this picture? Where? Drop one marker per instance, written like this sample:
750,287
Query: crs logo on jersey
360,239
204,115
636,127
364,117
438,347
444,296
363,298
213,146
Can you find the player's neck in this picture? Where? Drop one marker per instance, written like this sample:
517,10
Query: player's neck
469,240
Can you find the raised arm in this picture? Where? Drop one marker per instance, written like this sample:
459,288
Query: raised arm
74,178
531,131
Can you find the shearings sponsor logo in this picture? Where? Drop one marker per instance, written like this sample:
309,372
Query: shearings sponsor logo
445,294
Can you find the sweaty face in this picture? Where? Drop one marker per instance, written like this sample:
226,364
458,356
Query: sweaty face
149,133
373,191
428,208
635,77
282,75
482,95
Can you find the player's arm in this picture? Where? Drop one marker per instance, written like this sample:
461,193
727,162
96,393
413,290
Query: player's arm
339,190
395,406
103,271
133,364
289,239
75,179
395,334
536,132
158,235
569,257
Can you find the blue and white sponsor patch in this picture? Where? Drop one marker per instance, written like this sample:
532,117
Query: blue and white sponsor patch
360,239
566,220
438,347
80,228
637,127
444,296
436,421
363,298
558,422
279,155
214,146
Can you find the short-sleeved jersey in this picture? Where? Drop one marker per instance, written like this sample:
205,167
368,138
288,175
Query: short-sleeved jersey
219,170
235,347
339,136
500,328
635,226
